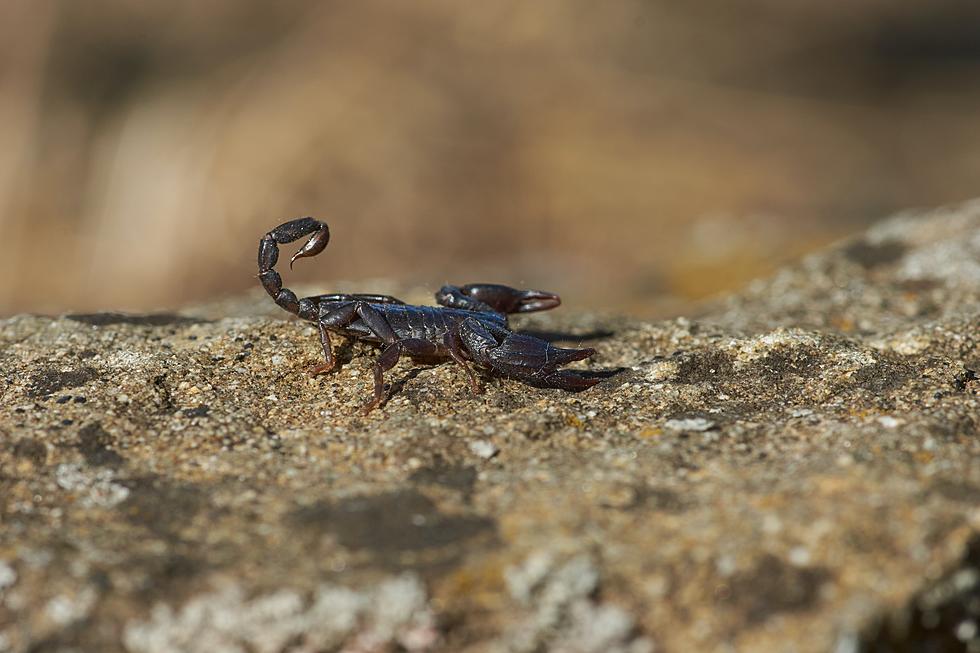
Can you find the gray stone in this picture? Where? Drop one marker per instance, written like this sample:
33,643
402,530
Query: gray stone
793,467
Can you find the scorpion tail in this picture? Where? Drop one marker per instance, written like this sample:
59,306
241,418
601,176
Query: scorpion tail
269,256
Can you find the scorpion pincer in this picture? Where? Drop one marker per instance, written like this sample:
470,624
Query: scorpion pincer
470,325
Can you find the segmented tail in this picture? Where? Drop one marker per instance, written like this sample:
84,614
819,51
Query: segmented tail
287,232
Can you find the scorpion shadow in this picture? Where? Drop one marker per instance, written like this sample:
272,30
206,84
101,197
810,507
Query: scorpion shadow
563,336
397,388
136,319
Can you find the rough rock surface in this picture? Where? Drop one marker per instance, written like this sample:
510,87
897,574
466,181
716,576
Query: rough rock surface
795,469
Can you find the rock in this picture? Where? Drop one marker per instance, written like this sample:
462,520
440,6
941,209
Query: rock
794,467
691,424
484,449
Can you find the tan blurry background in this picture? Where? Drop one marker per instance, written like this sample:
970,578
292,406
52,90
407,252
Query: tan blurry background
627,154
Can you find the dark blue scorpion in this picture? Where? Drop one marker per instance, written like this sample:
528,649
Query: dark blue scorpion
470,325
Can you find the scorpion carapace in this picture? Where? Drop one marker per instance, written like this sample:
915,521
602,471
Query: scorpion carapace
470,325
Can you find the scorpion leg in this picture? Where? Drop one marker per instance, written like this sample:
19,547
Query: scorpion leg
389,358
454,343
497,298
478,340
329,360
338,316
376,321
332,316
343,315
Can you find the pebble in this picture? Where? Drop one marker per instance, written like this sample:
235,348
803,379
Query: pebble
690,424
484,449
8,576
889,422
799,556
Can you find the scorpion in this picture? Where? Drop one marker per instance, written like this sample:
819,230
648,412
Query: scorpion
470,325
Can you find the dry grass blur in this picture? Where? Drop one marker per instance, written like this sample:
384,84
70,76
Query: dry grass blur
626,153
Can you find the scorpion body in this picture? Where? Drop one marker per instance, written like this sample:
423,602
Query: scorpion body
470,325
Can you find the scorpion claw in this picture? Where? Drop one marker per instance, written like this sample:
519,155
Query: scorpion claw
536,362
503,299
536,300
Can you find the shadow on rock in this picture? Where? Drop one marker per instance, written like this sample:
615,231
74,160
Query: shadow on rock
396,526
149,319
563,336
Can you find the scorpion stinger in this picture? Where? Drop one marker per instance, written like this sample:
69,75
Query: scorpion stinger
316,244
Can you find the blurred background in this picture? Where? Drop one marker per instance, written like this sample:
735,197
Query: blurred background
632,155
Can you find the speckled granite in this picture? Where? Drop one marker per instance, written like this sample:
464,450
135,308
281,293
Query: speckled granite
794,469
